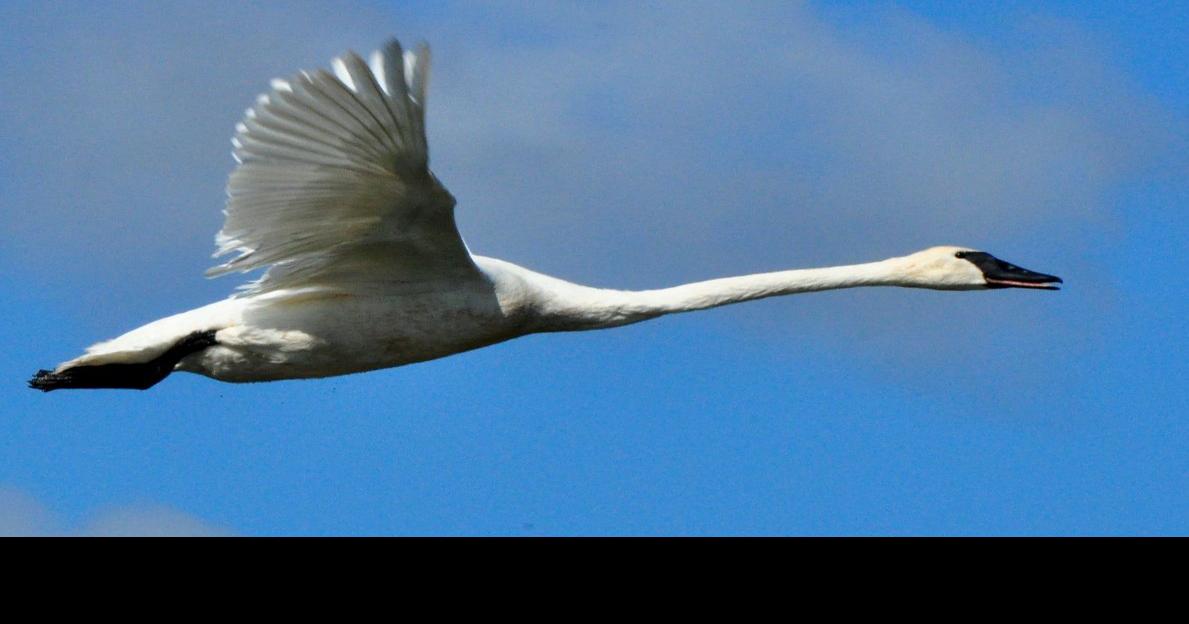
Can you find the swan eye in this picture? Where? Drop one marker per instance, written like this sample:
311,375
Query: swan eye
962,254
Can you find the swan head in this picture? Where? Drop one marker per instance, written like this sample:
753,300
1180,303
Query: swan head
960,268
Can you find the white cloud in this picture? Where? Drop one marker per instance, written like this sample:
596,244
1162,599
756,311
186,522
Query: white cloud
151,521
583,132
668,137
23,515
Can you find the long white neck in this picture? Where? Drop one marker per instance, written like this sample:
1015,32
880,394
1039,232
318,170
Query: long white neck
562,306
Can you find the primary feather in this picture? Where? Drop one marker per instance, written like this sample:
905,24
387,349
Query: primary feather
333,178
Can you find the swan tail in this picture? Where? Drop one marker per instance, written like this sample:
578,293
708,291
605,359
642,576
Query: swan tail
130,375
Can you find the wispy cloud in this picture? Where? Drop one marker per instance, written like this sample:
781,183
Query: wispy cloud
23,515
691,129
777,131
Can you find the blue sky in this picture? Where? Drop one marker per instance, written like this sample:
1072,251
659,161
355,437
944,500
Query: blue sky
634,146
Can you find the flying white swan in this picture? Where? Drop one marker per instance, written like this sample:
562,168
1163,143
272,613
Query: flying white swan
366,268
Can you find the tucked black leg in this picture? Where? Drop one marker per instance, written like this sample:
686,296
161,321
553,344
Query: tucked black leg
138,376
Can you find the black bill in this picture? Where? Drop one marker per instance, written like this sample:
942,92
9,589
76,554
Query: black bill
1000,274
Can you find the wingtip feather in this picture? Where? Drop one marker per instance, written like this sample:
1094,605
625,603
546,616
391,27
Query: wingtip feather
317,135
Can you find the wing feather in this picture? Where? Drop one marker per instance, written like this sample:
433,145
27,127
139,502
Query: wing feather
333,185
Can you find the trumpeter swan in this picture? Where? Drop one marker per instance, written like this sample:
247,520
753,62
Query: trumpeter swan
366,269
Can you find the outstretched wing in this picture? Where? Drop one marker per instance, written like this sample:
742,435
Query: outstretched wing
333,186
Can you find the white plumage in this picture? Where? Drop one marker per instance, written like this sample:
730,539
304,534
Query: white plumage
366,268
333,176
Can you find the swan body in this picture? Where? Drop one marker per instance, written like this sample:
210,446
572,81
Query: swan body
366,268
